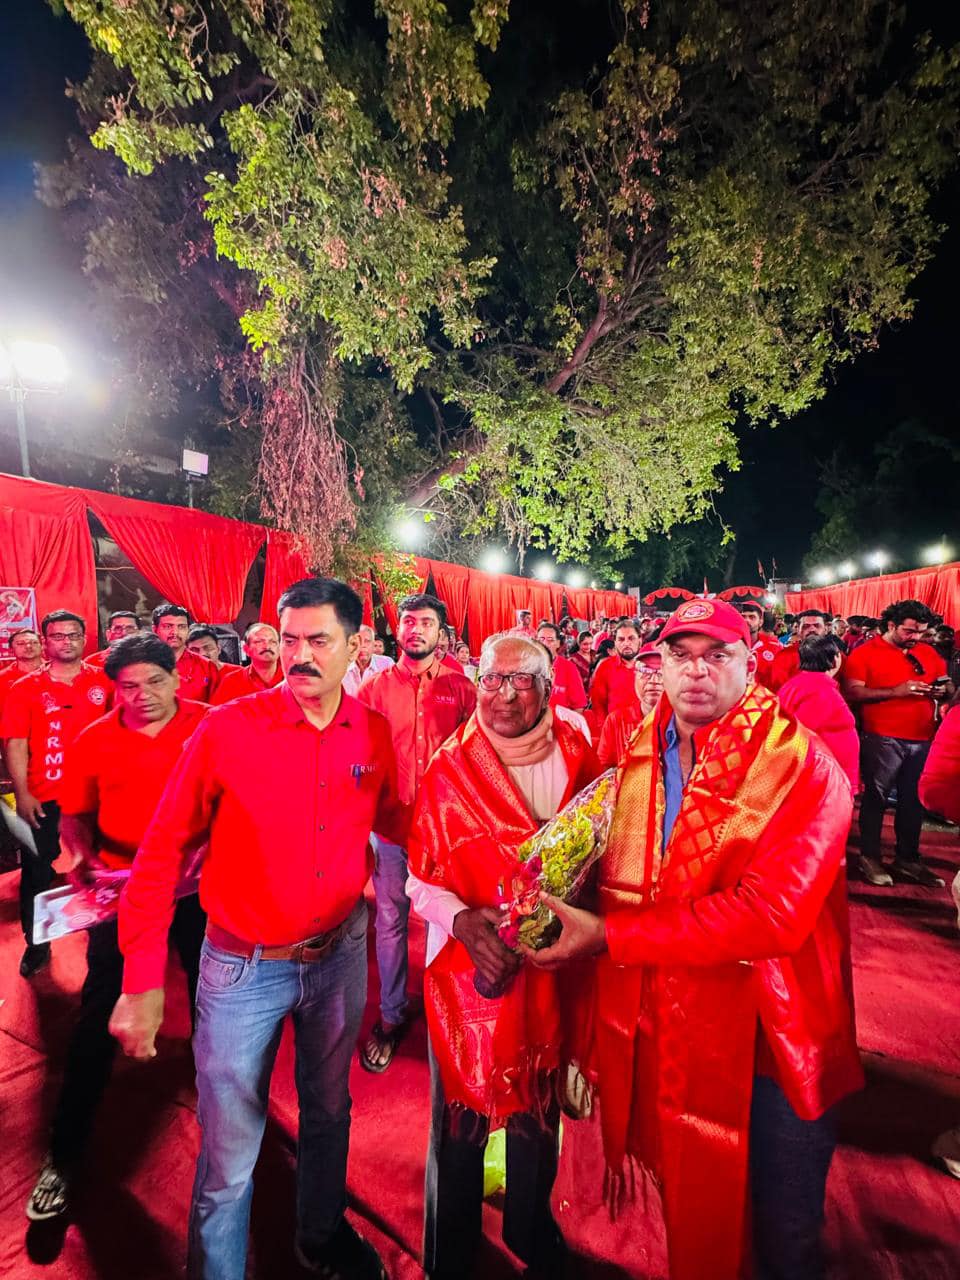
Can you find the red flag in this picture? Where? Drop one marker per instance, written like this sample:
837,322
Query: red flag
762,571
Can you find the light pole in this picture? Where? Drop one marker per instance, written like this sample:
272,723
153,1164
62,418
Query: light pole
27,367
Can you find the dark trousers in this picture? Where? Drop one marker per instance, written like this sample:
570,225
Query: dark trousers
36,869
886,763
789,1162
453,1201
92,1047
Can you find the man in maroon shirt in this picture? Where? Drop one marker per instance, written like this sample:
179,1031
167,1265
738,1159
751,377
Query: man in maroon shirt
120,768
199,676
285,788
612,686
42,715
895,683
424,701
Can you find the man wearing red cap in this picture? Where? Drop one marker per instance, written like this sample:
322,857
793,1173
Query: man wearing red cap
724,1033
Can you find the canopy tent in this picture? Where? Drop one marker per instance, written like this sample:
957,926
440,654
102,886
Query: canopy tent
202,561
938,587
667,593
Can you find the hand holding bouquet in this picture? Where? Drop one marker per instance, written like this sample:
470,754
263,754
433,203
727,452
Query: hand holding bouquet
556,861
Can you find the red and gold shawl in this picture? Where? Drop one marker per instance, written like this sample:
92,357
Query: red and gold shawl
675,1047
495,1056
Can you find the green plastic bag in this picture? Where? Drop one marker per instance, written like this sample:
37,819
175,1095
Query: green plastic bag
495,1163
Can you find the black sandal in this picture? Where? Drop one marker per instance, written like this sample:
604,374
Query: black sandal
382,1042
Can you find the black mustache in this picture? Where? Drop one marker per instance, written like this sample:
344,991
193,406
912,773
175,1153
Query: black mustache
304,669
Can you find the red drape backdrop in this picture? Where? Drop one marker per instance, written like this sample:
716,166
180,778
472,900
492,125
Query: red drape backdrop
285,564
191,557
452,583
938,587
45,544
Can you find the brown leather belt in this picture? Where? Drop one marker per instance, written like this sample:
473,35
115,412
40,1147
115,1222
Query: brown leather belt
309,951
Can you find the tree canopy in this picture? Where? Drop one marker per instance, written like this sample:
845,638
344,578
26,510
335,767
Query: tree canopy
525,268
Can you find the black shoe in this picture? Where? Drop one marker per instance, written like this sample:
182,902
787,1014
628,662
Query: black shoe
873,871
34,959
345,1256
917,873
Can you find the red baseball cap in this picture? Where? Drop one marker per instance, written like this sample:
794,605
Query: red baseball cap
714,618
649,651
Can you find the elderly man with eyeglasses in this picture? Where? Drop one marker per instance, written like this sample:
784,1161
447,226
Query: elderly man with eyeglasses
491,785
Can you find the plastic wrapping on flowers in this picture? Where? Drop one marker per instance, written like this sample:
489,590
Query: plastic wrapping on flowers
557,860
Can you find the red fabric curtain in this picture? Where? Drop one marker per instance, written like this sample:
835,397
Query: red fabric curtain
490,606
583,603
191,557
452,583
617,604
45,544
937,587
285,565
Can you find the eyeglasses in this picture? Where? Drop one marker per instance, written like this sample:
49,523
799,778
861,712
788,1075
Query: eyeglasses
522,681
64,635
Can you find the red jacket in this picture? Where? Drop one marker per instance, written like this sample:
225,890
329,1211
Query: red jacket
813,698
784,913
940,780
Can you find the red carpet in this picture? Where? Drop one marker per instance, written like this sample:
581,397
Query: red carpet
891,1214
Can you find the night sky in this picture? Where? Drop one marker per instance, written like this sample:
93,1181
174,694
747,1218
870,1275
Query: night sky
912,375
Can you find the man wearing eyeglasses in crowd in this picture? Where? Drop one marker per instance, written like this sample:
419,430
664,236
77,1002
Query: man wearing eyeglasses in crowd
42,716
490,786
895,682
120,624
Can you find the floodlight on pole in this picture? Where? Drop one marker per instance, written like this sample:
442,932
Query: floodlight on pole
576,578
410,533
494,560
937,554
878,560
847,569
27,368
822,576
618,586
544,569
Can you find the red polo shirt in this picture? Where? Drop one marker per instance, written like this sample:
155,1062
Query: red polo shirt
567,688
766,650
10,673
238,682
287,810
199,677
882,665
612,686
50,714
422,712
618,728
119,775
783,668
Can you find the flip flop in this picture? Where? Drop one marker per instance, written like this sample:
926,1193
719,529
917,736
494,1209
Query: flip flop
382,1041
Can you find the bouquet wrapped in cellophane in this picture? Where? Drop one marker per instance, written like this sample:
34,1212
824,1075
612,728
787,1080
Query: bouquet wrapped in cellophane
557,861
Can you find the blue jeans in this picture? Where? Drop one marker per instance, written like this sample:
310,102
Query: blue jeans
789,1162
393,912
241,1007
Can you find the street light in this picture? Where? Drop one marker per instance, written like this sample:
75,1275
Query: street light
543,569
28,368
822,576
878,560
936,554
576,578
494,560
847,569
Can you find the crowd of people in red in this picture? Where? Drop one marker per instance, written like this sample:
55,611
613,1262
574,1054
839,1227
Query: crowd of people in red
117,764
